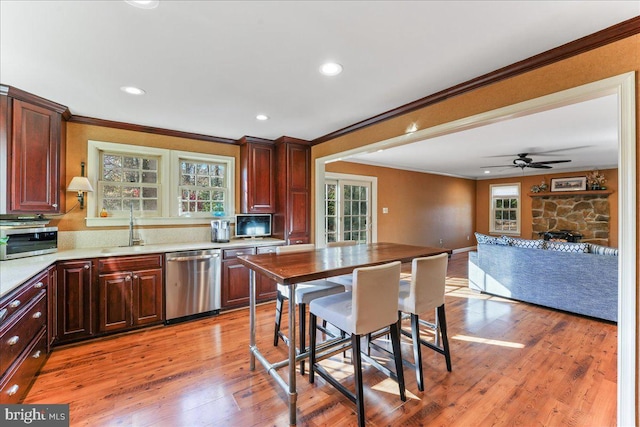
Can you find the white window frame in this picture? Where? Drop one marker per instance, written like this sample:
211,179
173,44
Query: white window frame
373,204
492,209
168,173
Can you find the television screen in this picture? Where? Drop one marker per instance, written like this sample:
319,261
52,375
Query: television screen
253,225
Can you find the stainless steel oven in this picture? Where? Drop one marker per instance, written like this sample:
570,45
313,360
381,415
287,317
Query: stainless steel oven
24,241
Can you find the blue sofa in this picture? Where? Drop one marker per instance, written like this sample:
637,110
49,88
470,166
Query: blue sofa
583,283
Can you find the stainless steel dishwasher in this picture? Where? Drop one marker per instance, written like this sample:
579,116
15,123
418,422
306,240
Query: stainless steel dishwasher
192,284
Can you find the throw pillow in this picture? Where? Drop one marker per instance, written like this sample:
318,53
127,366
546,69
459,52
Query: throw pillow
602,250
567,247
489,240
525,243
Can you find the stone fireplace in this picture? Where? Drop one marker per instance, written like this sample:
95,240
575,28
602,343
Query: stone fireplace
585,214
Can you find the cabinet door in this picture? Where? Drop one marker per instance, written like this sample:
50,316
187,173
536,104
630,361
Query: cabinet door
259,194
147,297
114,296
235,284
34,167
74,301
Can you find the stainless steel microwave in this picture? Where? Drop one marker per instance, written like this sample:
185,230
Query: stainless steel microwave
23,242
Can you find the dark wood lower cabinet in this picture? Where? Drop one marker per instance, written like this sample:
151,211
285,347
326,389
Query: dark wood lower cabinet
74,295
235,278
133,298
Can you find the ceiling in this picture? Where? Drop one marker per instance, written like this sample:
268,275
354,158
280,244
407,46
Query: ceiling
209,67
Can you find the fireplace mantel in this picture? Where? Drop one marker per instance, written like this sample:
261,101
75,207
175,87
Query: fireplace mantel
571,193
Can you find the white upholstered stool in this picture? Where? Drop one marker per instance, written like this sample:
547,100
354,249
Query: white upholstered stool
370,306
424,292
304,294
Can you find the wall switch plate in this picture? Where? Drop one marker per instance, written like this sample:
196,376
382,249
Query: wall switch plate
385,210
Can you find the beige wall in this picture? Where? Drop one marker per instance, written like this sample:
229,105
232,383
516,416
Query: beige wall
79,134
526,182
423,208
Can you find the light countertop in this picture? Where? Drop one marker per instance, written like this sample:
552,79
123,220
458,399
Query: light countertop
13,273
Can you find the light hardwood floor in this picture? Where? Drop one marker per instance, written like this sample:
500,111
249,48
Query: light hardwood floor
513,364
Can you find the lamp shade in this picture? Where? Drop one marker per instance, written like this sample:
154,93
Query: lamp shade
80,183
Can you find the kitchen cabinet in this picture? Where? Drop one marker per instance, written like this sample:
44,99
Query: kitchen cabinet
52,318
33,134
23,337
75,315
257,162
130,292
292,220
235,278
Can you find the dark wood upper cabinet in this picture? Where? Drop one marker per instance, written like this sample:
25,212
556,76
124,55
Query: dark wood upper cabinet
33,135
292,220
257,160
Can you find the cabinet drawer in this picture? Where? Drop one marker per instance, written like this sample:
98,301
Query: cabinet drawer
15,384
17,300
129,263
17,335
267,249
234,253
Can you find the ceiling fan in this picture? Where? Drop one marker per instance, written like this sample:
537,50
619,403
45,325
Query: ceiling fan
527,162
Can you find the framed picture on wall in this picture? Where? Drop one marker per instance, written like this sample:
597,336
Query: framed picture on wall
576,183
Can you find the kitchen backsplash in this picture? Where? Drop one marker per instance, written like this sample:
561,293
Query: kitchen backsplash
150,236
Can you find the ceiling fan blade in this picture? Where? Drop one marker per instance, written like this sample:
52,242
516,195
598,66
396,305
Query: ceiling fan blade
541,153
498,166
538,166
548,162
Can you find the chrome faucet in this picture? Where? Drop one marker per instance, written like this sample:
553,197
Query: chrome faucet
131,224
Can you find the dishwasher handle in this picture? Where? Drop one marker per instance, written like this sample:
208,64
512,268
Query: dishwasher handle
192,258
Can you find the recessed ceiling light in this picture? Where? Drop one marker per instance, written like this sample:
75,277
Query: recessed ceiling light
412,128
262,117
132,90
331,69
144,4
487,171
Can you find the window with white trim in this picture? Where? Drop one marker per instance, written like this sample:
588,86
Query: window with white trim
504,216
163,186
129,180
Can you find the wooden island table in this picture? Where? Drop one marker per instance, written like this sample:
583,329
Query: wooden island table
292,268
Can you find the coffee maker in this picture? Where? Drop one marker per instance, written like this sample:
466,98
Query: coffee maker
220,230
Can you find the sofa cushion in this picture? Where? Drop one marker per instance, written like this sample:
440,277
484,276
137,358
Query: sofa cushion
524,243
490,240
602,250
567,247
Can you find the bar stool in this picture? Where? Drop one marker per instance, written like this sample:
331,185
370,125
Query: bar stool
369,307
424,292
305,293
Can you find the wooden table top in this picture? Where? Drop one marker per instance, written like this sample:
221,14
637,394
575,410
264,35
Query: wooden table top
299,267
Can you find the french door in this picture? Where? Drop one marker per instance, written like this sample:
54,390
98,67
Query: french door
347,210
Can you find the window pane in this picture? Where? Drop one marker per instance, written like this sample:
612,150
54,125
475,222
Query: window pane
149,177
131,162
150,164
331,224
132,176
150,205
514,203
148,192
499,203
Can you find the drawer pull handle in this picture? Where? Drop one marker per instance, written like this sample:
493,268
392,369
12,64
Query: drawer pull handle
13,340
38,285
37,354
13,389
135,277
15,303
86,267
37,315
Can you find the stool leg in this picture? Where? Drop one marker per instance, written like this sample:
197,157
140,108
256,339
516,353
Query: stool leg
417,352
442,319
357,372
279,302
312,345
397,356
303,333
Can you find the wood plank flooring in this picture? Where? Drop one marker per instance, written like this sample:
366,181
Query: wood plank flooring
513,364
